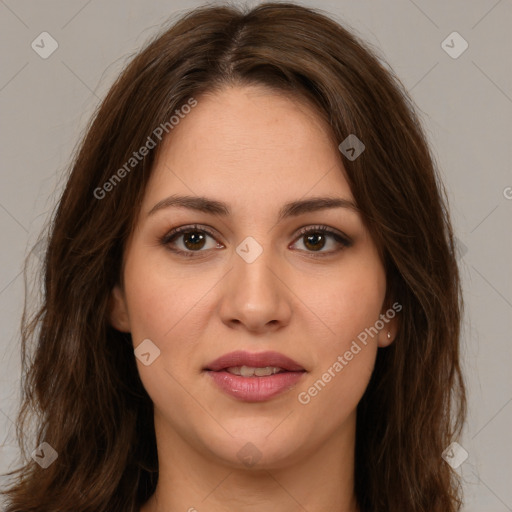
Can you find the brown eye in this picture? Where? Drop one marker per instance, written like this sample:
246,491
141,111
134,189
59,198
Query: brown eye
193,239
315,242
315,238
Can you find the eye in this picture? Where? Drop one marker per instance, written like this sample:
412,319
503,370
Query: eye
193,239
314,239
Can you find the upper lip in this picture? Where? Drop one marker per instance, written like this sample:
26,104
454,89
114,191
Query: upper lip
255,360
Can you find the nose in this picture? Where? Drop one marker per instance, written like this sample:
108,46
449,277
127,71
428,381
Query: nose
256,296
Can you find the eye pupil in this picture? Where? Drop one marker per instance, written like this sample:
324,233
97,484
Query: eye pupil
313,239
197,238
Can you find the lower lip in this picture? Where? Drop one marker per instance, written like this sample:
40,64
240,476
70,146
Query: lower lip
255,389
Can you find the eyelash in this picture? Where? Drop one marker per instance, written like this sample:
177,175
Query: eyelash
166,240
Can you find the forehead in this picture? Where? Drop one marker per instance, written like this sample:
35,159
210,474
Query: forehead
251,145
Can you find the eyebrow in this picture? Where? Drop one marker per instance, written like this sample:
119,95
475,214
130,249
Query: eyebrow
291,209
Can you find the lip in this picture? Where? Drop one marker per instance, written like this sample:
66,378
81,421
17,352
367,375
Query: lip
255,389
256,360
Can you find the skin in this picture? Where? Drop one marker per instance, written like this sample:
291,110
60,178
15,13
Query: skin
254,149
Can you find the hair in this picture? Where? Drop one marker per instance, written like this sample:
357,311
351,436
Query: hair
80,381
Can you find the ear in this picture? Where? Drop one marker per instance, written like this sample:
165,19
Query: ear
118,315
389,316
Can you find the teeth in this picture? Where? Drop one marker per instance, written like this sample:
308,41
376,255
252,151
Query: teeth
249,371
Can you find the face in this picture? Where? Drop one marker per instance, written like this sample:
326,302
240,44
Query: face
252,276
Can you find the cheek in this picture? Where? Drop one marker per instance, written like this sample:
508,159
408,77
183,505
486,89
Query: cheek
163,307
345,362
160,301
358,307
351,305
352,299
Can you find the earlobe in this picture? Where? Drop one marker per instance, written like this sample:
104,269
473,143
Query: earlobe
386,337
118,315
389,331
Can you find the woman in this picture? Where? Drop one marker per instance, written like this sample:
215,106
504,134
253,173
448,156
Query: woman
251,295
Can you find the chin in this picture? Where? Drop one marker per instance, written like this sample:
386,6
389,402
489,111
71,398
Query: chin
261,446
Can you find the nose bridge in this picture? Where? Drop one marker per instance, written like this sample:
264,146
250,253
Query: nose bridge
254,295
253,273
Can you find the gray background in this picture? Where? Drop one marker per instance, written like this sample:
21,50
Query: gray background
465,104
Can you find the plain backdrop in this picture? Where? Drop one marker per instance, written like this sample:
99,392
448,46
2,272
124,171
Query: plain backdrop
465,102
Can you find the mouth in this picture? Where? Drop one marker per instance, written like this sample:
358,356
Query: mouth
254,377
259,361
251,371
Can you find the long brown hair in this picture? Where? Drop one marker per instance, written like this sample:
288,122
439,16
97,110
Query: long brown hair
81,383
